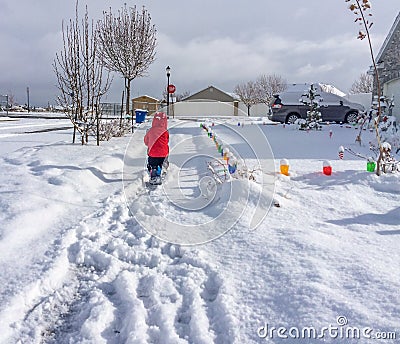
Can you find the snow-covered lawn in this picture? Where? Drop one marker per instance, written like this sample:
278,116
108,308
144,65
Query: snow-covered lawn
79,263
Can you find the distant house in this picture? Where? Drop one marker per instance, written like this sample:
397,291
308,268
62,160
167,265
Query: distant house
146,103
388,65
212,93
210,101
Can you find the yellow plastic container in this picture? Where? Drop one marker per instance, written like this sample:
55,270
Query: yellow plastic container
284,167
226,154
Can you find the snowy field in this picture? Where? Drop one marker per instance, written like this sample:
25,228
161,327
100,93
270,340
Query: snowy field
83,256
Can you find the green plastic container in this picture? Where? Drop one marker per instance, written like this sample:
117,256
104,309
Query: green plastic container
371,166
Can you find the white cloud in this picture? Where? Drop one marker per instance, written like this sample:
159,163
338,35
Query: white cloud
205,43
312,70
206,62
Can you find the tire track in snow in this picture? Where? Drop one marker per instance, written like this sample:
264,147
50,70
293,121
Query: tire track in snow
132,287
121,284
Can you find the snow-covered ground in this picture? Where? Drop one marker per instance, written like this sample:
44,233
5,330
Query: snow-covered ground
84,256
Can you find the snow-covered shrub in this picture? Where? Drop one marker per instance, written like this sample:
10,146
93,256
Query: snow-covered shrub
388,162
388,126
388,135
390,143
112,128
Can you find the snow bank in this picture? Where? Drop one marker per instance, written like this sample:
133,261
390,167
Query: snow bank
79,261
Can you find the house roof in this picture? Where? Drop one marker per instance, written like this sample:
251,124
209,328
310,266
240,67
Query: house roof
145,96
211,92
388,39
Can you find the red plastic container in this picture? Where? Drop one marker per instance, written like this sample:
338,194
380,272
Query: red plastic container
327,168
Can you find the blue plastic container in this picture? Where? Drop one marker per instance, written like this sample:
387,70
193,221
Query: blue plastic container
140,115
232,168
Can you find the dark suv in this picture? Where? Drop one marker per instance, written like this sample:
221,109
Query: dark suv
287,107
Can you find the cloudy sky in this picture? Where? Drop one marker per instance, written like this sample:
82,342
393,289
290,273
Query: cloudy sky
208,42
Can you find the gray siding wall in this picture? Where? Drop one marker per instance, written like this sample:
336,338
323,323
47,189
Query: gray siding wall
391,61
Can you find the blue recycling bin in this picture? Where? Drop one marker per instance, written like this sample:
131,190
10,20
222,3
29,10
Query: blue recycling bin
140,115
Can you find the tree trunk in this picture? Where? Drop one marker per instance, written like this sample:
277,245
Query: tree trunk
97,126
378,138
378,163
74,134
122,110
128,95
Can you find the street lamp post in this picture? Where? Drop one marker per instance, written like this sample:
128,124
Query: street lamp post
168,69
27,95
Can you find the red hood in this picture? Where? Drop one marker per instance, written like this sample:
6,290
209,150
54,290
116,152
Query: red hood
160,120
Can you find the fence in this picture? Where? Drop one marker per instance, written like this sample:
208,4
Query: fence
111,110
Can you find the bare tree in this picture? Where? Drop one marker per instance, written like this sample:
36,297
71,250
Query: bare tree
268,85
79,71
248,93
364,84
11,99
183,95
128,43
178,96
363,13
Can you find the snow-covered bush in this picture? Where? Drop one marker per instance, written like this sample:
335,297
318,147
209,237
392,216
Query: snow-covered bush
386,144
390,142
387,126
388,162
112,128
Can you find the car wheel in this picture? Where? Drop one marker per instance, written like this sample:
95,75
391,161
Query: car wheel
351,118
292,118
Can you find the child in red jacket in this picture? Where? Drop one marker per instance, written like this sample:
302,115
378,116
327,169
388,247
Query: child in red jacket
156,140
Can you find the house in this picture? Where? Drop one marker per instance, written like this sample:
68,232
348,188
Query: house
212,93
210,101
388,66
146,103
